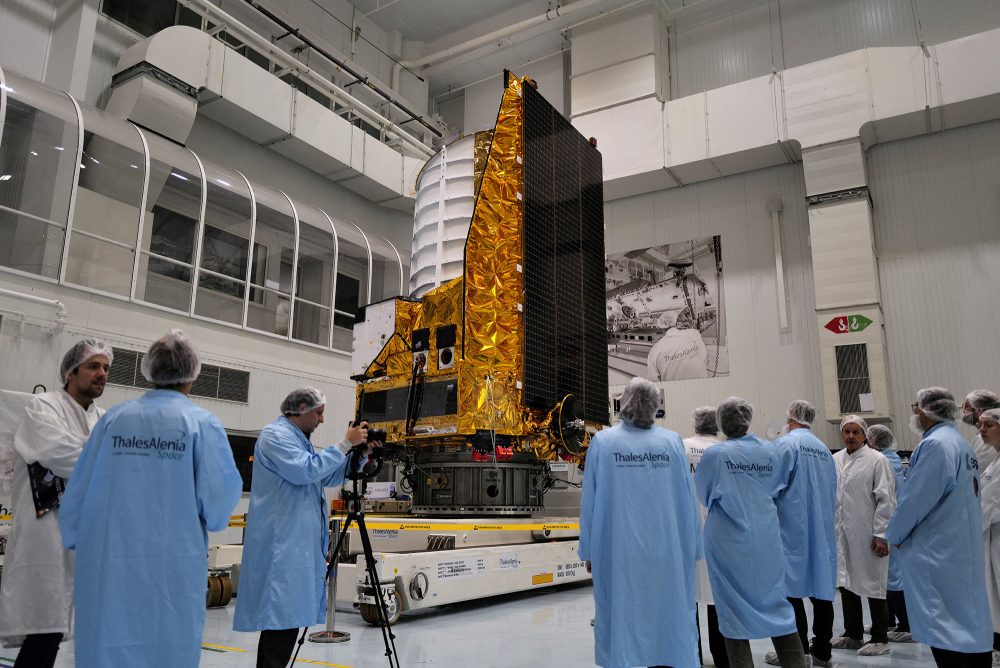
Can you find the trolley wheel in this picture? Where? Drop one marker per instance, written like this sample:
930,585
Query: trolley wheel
369,611
220,591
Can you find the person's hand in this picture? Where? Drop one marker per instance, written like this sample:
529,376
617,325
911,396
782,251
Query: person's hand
357,433
880,547
588,565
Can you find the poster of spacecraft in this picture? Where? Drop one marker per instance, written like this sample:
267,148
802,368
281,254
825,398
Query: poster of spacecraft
666,312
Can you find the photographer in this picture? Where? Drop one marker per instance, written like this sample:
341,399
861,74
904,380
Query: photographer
284,555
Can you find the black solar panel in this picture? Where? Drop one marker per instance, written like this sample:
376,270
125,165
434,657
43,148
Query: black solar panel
565,342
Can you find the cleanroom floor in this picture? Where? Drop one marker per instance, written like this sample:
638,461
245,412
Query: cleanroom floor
544,628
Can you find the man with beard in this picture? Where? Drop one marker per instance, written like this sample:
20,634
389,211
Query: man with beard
37,591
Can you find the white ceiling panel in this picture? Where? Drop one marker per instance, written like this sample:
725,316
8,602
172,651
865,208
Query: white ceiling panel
430,20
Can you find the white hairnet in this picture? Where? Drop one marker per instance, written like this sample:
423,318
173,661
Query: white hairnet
171,360
880,437
854,419
309,396
937,403
802,412
667,319
80,353
735,415
992,414
982,400
639,402
705,421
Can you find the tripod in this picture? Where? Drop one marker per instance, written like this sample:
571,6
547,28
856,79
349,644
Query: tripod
356,515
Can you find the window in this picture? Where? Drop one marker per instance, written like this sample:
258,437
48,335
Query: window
314,282
148,17
225,248
347,301
271,276
108,197
38,149
173,209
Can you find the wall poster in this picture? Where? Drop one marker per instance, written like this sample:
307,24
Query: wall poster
666,312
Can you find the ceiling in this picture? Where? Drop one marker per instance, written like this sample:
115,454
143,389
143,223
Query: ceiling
430,20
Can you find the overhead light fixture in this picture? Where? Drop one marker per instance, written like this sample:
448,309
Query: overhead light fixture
6,177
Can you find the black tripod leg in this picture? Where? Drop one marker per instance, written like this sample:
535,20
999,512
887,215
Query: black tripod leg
383,613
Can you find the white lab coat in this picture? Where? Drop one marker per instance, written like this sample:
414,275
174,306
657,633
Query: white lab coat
678,355
37,584
695,447
866,499
990,497
985,454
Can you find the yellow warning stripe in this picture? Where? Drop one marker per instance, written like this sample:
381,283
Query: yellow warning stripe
315,662
237,524
223,647
475,526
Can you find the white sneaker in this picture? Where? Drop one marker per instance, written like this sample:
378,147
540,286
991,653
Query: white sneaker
771,658
874,649
899,636
845,642
820,663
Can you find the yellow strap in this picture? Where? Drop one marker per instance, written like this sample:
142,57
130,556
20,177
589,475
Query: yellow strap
475,526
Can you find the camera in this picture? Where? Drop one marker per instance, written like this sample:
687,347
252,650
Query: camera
374,435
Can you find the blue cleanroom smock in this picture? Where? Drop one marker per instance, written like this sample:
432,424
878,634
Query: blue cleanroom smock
895,574
640,529
738,481
806,511
938,528
155,474
285,546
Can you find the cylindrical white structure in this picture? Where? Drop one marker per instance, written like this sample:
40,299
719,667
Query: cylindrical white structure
441,216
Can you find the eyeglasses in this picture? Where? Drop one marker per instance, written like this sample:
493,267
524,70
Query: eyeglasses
915,408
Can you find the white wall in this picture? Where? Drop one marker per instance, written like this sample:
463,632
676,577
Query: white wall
31,355
25,35
769,368
937,234
482,101
722,42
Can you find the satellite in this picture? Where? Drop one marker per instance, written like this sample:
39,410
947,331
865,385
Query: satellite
485,378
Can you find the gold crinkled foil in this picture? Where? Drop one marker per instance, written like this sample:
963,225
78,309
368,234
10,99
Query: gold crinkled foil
484,305
480,151
494,287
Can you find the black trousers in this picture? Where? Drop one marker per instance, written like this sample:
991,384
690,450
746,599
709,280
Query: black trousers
716,643
38,651
274,649
945,658
822,627
996,642
787,647
897,610
854,626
